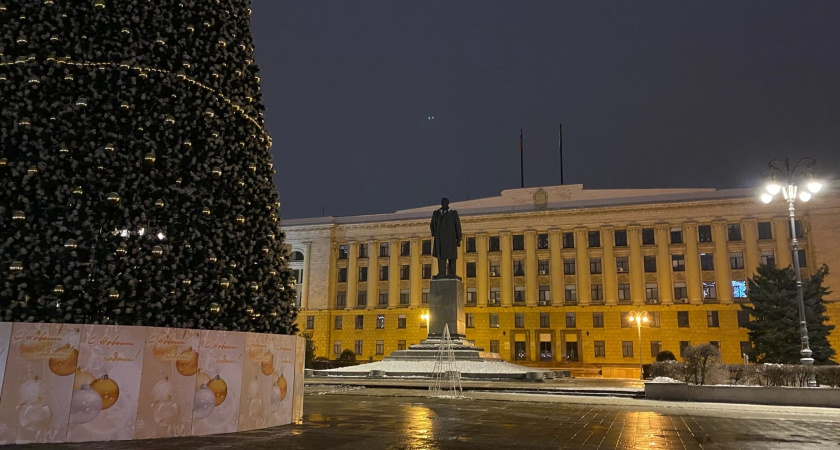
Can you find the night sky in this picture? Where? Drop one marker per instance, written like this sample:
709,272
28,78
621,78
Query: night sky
650,94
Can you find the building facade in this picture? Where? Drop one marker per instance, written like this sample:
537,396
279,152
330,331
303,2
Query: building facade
551,274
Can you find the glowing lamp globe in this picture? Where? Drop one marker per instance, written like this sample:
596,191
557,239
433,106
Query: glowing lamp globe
766,198
814,186
773,188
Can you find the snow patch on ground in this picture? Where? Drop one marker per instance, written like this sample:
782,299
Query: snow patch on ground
664,380
477,367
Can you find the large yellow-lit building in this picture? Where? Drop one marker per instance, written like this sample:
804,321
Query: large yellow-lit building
552,273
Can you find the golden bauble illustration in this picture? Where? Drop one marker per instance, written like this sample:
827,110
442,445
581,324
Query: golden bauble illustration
82,378
201,378
187,363
108,390
267,364
64,361
219,388
281,383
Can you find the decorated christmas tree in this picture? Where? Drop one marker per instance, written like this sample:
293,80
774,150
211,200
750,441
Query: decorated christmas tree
135,178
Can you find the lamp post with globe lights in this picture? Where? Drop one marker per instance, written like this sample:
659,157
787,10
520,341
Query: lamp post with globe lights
784,178
639,317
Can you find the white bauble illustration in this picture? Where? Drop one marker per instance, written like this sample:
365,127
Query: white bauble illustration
203,403
35,416
28,392
276,398
85,405
166,412
162,391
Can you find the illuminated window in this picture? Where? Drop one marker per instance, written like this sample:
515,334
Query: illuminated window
739,289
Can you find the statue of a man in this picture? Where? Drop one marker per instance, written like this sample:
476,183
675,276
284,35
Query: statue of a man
446,229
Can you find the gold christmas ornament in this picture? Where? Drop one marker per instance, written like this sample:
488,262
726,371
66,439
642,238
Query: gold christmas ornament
216,171
240,183
281,383
4,162
212,259
32,170
205,211
270,235
240,219
209,113
63,361
224,283
113,294
77,191
125,31
107,389
25,121
18,215
249,310
218,386
70,244
264,250
178,181
58,289
81,102
188,143
113,197
159,203
16,266
125,105
99,4
252,167
267,363
273,314
254,286
187,363
215,308
273,217
272,272
232,264
169,120
110,148
120,251
150,158
157,251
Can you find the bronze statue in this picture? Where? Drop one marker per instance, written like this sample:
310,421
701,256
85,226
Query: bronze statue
446,229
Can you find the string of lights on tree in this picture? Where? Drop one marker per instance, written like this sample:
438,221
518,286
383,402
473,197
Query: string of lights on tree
135,179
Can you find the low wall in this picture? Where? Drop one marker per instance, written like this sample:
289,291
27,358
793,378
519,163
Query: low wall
73,383
761,395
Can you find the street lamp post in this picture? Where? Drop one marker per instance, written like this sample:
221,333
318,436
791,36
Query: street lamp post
800,172
638,317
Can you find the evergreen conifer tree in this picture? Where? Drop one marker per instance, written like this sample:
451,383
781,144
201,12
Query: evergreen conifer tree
135,179
774,329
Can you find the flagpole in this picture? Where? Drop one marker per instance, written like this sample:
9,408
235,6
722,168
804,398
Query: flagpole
521,162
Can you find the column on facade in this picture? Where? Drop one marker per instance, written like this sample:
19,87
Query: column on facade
637,269
692,264
608,265
482,270
781,231
304,296
555,262
333,274
723,276
584,279
531,286
461,263
393,273
415,273
507,268
352,273
751,257
373,275
663,263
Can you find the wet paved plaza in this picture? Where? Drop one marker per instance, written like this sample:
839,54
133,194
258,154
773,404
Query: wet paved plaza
355,418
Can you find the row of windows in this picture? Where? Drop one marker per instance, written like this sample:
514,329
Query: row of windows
704,234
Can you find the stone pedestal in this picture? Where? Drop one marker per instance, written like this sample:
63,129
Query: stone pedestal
446,307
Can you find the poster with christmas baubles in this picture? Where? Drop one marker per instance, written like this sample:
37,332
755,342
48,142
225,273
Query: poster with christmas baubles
5,337
282,379
107,383
167,390
257,382
38,383
218,382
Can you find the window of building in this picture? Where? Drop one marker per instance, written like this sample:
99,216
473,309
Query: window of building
471,269
648,236
494,320
380,347
680,291
472,296
426,247
707,261
493,244
594,265
652,293
568,240
310,322
655,348
338,322
627,349
571,293
360,322
384,249
733,232
594,239
470,320
683,347
401,321
363,273
571,320
600,349
426,271
545,294
542,241
743,318
519,320
405,248
341,299
678,263
495,296
361,299
622,264
519,268
768,258
518,242
469,245
359,348
736,260
380,322
800,233
739,289
746,347
519,294
383,273
650,263
383,298
597,320
704,233
682,319
715,344
597,291
625,320
336,347
343,251
400,345
545,320
569,266
676,235
424,296
542,267
494,346
495,271
620,238
765,230
624,293
709,290
803,262
424,321
712,319
405,272
342,274
363,251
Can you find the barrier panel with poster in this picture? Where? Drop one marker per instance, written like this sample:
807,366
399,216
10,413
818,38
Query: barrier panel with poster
64,382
